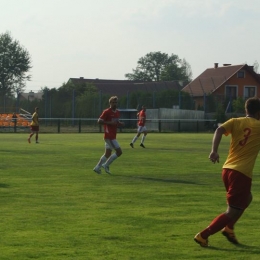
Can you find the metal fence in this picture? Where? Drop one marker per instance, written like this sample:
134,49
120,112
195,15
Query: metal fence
76,105
89,125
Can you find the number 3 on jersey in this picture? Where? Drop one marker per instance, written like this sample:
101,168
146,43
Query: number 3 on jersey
247,132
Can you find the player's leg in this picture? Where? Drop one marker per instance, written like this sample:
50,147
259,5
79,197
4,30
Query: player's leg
36,137
114,156
216,225
103,159
239,197
136,136
143,137
30,136
112,144
233,222
221,221
228,230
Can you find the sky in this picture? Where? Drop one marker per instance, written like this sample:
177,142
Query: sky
105,38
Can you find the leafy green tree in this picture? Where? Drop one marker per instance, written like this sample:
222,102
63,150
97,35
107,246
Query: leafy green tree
181,71
83,99
238,105
15,62
220,115
87,101
157,66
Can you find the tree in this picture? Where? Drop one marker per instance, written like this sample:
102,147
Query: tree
15,62
239,105
157,66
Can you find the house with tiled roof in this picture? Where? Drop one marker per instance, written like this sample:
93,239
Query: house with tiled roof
124,87
224,82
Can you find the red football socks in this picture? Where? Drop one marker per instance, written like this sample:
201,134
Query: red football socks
216,225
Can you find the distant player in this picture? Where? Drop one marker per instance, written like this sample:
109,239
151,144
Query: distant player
237,170
34,126
110,119
141,127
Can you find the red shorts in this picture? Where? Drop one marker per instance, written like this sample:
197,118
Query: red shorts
238,187
35,128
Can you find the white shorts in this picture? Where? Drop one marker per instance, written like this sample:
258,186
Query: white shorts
111,144
141,129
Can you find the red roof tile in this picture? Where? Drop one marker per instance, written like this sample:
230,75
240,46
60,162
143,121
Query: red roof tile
212,78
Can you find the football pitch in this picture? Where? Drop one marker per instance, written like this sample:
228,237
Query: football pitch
54,207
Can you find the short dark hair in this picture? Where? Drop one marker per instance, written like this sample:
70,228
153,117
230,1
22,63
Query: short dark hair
252,105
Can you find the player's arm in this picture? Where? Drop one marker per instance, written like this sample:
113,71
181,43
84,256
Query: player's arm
213,156
120,123
101,121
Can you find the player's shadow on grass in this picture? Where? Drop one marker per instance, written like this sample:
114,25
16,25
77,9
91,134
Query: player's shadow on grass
158,179
3,185
238,248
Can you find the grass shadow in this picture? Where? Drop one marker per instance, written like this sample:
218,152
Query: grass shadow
3,185
238,248
159,179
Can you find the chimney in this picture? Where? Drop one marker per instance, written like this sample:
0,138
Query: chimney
215,65
81,77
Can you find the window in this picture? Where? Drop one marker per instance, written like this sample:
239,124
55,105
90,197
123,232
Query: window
241,74
249,91
231,92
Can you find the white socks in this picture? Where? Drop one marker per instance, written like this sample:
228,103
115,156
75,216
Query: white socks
135,138
106,160
101,161
111,159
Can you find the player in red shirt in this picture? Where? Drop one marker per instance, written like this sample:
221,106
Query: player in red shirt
141,127
237,170
110,119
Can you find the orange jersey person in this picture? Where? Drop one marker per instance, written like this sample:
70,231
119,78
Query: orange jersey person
110,120
110,130
142,117
141,127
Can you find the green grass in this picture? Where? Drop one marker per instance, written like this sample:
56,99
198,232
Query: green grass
53,206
